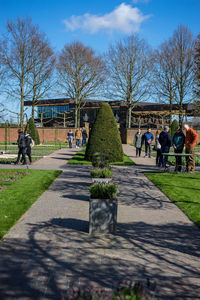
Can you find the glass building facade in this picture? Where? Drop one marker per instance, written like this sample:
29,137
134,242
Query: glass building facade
52,111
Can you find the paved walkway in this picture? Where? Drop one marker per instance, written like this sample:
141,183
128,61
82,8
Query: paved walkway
49,249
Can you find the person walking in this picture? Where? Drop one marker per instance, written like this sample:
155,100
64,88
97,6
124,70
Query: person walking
29,144
78,137
157,148
190,142
148,138
138,142
178,143
21,147
70,137
165,142
84,136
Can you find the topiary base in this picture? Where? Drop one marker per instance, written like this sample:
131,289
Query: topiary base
102,216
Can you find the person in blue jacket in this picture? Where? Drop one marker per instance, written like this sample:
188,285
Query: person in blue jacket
165,141
178,145
70,138
148,138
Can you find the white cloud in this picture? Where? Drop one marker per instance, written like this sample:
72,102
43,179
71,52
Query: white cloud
124,18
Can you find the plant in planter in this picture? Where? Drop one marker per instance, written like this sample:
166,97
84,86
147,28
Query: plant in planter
103,208
100,160
101,175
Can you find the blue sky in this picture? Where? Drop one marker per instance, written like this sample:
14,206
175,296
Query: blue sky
98,23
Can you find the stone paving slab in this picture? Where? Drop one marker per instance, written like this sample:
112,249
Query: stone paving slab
50,250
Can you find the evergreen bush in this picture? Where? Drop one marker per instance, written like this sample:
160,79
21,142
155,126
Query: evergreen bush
104,136
33,131
101,173
173,128
100,160
103,191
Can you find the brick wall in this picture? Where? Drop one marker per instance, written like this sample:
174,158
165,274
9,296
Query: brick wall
60,134
46,134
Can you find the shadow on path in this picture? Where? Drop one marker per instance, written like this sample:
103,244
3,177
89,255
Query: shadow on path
60,253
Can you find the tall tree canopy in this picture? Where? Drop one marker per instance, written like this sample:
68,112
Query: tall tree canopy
183,50
197,72
23,49
81,74
129,66
163,69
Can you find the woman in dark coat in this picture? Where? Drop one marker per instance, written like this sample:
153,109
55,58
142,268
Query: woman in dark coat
138,142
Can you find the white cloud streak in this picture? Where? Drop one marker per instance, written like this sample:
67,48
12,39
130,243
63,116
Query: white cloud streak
124,18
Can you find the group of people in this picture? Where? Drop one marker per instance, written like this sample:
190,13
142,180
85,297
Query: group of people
80,137
25,143
163,143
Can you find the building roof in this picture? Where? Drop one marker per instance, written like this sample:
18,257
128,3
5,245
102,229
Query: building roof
138,107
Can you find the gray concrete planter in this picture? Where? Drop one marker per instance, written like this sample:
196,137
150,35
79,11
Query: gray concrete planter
101,180
102,216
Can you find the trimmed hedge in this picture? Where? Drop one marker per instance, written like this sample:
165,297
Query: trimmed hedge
173,127
104,136
33,131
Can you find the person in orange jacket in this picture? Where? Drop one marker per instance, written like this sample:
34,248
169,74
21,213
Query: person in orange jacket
191,139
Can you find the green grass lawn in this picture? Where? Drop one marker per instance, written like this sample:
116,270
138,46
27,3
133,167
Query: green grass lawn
79,159
19,190
182,189
38,151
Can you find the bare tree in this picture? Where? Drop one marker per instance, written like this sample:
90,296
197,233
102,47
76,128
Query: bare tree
183,49
81,74
163,70
129,65
41,79
20,56
197,74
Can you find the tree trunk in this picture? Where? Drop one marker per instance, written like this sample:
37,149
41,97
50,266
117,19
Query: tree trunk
33,111
76,114
181,105
170,109
22,107
128,116
181,115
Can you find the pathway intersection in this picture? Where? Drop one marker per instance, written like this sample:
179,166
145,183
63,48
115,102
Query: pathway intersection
49,249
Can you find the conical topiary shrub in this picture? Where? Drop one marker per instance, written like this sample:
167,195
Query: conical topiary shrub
173,127
104,136
33,131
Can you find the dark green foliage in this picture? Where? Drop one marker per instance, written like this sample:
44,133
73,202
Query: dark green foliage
33,131
101,173
173,128
105,136
103,191
100,160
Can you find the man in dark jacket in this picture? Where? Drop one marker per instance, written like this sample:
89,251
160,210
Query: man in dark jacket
178,144
29,143
165,141
148,138
84,136
21,146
